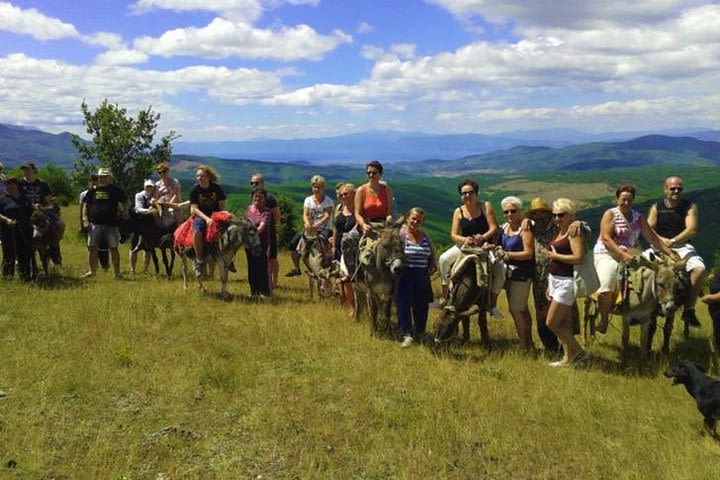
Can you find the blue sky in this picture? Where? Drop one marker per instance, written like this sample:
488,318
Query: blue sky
241,69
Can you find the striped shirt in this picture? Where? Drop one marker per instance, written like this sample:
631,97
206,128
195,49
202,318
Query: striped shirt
417,255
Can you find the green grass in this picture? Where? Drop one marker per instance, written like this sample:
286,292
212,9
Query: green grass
139,379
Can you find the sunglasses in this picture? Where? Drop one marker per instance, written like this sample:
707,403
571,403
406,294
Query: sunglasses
467,193
676,189
342,195
559,215
508,212
372,173
161,171
254,183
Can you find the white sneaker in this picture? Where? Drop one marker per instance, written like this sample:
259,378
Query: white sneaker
497,314
407,341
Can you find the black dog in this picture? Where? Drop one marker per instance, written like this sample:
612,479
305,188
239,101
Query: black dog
702,388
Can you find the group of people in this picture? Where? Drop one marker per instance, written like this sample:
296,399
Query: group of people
19,197
537,248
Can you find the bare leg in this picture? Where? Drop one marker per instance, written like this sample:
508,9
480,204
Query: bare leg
559,320
605,304
92,261
115,258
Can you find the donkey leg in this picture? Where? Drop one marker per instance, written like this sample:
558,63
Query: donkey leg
625,336
482,323
667,331
647,331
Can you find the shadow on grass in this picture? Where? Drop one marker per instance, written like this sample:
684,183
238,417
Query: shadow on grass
56,281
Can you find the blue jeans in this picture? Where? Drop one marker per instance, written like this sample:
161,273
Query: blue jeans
413,296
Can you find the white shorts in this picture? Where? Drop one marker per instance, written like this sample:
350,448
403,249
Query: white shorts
694,260
607,269
561,290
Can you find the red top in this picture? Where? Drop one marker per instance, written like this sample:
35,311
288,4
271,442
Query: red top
375,207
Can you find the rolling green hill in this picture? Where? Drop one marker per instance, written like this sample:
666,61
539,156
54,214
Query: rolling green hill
651,150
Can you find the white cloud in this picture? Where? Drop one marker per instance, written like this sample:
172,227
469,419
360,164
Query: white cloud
241,10
364,27
34,23
38,92
121,56
569,14
42,27
224,38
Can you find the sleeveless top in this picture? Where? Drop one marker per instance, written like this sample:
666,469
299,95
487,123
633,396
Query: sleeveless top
417,255
671,221
625,234
473,226
523,268
343,225
375,207
556,267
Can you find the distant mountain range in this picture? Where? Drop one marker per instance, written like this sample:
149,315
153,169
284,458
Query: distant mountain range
415,153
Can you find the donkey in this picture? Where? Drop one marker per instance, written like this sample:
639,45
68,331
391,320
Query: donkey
46,241
319,268
381,259
652,292
468,296
235,233
148,236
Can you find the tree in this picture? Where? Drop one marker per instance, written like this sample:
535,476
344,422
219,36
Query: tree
59,181
121,143
288,220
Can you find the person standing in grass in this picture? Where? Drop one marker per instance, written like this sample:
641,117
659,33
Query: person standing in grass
17,231
344,224
101,208
258,181
565,251
518,245
206,197
258,266
414,291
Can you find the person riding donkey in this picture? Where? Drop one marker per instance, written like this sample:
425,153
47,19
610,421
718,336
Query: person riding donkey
206,197
317,213
675,219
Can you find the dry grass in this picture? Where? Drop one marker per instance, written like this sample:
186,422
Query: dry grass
138,379
583,192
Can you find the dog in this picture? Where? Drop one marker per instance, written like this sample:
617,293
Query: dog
704,389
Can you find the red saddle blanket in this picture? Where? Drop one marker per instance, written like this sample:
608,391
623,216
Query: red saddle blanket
184,233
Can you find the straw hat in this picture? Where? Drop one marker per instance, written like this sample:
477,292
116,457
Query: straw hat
104,172
539,204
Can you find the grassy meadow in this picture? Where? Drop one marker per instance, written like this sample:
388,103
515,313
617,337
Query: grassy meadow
139,379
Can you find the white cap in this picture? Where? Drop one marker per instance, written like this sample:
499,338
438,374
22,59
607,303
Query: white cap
149,183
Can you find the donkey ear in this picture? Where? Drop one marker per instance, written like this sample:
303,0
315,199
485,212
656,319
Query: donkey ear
398,222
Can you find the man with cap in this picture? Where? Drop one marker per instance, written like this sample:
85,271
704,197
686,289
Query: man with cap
101,211
675,219
40,194
539,219
144,208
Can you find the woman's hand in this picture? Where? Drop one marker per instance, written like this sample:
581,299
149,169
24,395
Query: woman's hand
367,228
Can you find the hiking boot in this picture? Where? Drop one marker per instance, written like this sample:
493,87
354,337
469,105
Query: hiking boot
689,317
293,273
199,269
407,341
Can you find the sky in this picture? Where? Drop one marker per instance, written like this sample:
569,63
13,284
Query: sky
245,69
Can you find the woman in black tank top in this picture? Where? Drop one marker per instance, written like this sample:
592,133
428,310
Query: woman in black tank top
565,252
473,223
